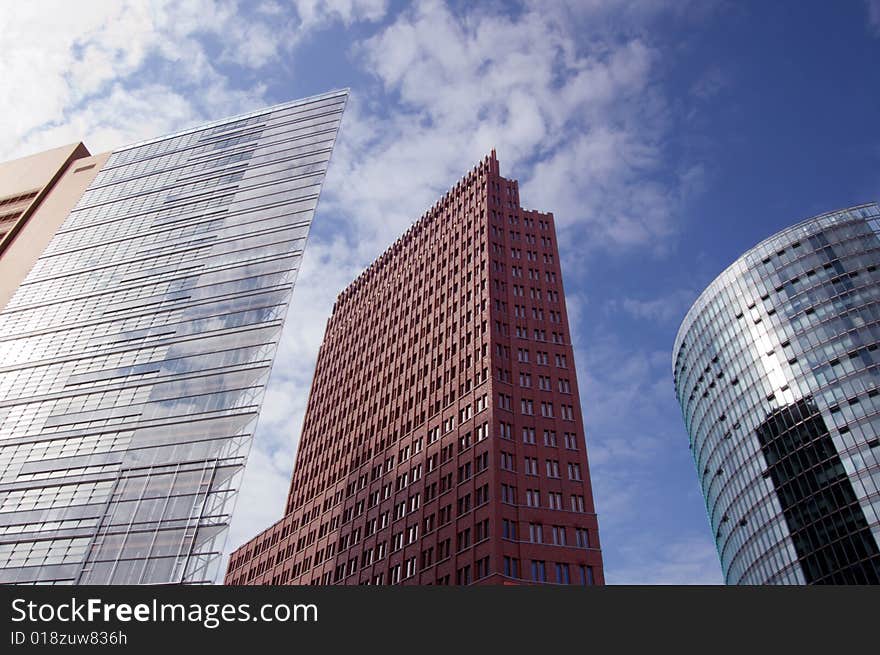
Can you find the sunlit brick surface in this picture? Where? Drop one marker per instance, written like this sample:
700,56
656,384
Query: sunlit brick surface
443,441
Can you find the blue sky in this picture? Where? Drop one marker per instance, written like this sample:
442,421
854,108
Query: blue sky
666,136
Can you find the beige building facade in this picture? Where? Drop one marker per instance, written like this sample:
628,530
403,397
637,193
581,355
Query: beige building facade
36,195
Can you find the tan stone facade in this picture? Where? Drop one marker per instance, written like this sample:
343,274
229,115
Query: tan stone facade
36,195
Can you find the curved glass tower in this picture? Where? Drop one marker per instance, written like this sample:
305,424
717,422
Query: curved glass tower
776,371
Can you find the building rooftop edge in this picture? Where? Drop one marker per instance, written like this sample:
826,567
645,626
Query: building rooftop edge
70,147
486,159
695,305
345,91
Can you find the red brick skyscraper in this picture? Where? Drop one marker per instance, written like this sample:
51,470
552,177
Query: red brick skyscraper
443,441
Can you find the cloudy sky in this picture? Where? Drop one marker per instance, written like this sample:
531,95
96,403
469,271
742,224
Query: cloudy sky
666,137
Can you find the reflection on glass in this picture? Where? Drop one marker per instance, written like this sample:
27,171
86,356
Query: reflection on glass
776,372
134,357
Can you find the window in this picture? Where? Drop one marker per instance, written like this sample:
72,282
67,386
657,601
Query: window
508,529
550,438
582,536
481,530
511,567
539,572
533,498
531,465
586,575
562,574
577,503
481,495
574,471
552,468
394,574
558,535
505,430
482,432
536,533
400,510
554,500
528,435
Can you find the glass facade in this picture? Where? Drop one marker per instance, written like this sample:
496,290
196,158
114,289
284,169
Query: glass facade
134,356
776,371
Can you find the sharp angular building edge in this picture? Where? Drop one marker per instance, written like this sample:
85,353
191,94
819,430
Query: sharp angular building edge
443,441
135,353
777,371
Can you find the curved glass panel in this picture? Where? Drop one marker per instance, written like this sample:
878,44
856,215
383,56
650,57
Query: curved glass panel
776,371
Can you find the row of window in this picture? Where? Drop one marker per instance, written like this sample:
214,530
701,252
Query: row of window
562,571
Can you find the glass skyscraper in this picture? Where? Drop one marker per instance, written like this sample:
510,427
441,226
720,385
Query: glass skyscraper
776,370
134,355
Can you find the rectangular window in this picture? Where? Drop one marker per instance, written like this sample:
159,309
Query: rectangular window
559,535
536,533
562,574
586,575
539,572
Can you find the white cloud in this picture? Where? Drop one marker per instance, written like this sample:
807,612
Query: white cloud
873,7
642,475
583,126
648,561
266,479
668,308
314,13
566,91
74,71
